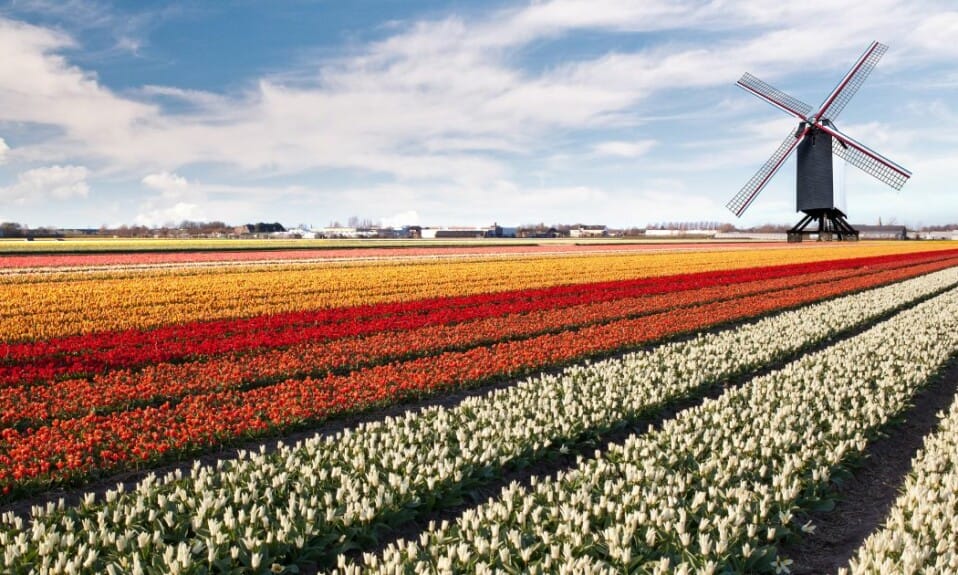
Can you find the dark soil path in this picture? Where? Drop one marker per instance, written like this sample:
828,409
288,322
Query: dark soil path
865,498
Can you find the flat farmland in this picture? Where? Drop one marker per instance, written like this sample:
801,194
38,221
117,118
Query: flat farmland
613,408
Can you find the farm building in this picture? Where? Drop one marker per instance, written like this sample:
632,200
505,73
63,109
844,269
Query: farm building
538,232
497,231
464,232
453,232
882,232
588,232
340,232
939,235
461,233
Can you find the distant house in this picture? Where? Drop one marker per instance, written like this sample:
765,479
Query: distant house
260,229
461,233
538,232
497,231
297,233
453,232
392,233
866,232
587,232
340,232
939,235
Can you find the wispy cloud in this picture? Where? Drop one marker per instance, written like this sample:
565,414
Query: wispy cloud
152,215
48,183
170,185
128,31
624,149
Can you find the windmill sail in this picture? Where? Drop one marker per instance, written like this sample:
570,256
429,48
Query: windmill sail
774,96
853,80
750,191
867,160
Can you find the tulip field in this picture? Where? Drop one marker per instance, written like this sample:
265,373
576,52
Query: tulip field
371,394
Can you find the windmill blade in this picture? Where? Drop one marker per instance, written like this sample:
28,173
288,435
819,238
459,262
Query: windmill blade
866,159
853,80
774,96
749,192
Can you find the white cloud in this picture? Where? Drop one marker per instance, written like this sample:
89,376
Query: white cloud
127,30
40,86
153,216
936,34
129,44
404,218
178,200
50,183
169,184
4,148
624,149
558,16
208,103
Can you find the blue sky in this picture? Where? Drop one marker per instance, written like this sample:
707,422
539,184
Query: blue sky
457,112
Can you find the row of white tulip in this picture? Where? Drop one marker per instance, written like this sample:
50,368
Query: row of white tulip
328,494
716,488
920,534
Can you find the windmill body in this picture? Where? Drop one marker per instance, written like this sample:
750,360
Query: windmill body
814,188
815,142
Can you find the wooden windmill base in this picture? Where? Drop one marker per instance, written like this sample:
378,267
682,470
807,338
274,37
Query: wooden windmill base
832,225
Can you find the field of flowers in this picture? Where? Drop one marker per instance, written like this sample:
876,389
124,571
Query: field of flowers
134,363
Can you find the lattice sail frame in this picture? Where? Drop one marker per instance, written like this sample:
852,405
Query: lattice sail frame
775,96
843,92
843,146
743,199
868,161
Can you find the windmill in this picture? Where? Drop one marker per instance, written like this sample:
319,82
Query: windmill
817,139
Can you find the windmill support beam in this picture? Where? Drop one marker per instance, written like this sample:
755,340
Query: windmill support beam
831,225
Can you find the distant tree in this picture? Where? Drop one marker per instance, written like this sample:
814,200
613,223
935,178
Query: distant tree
359,223
12,230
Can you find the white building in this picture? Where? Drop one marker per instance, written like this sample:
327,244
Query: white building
939,235
588,232
462,232
340,232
